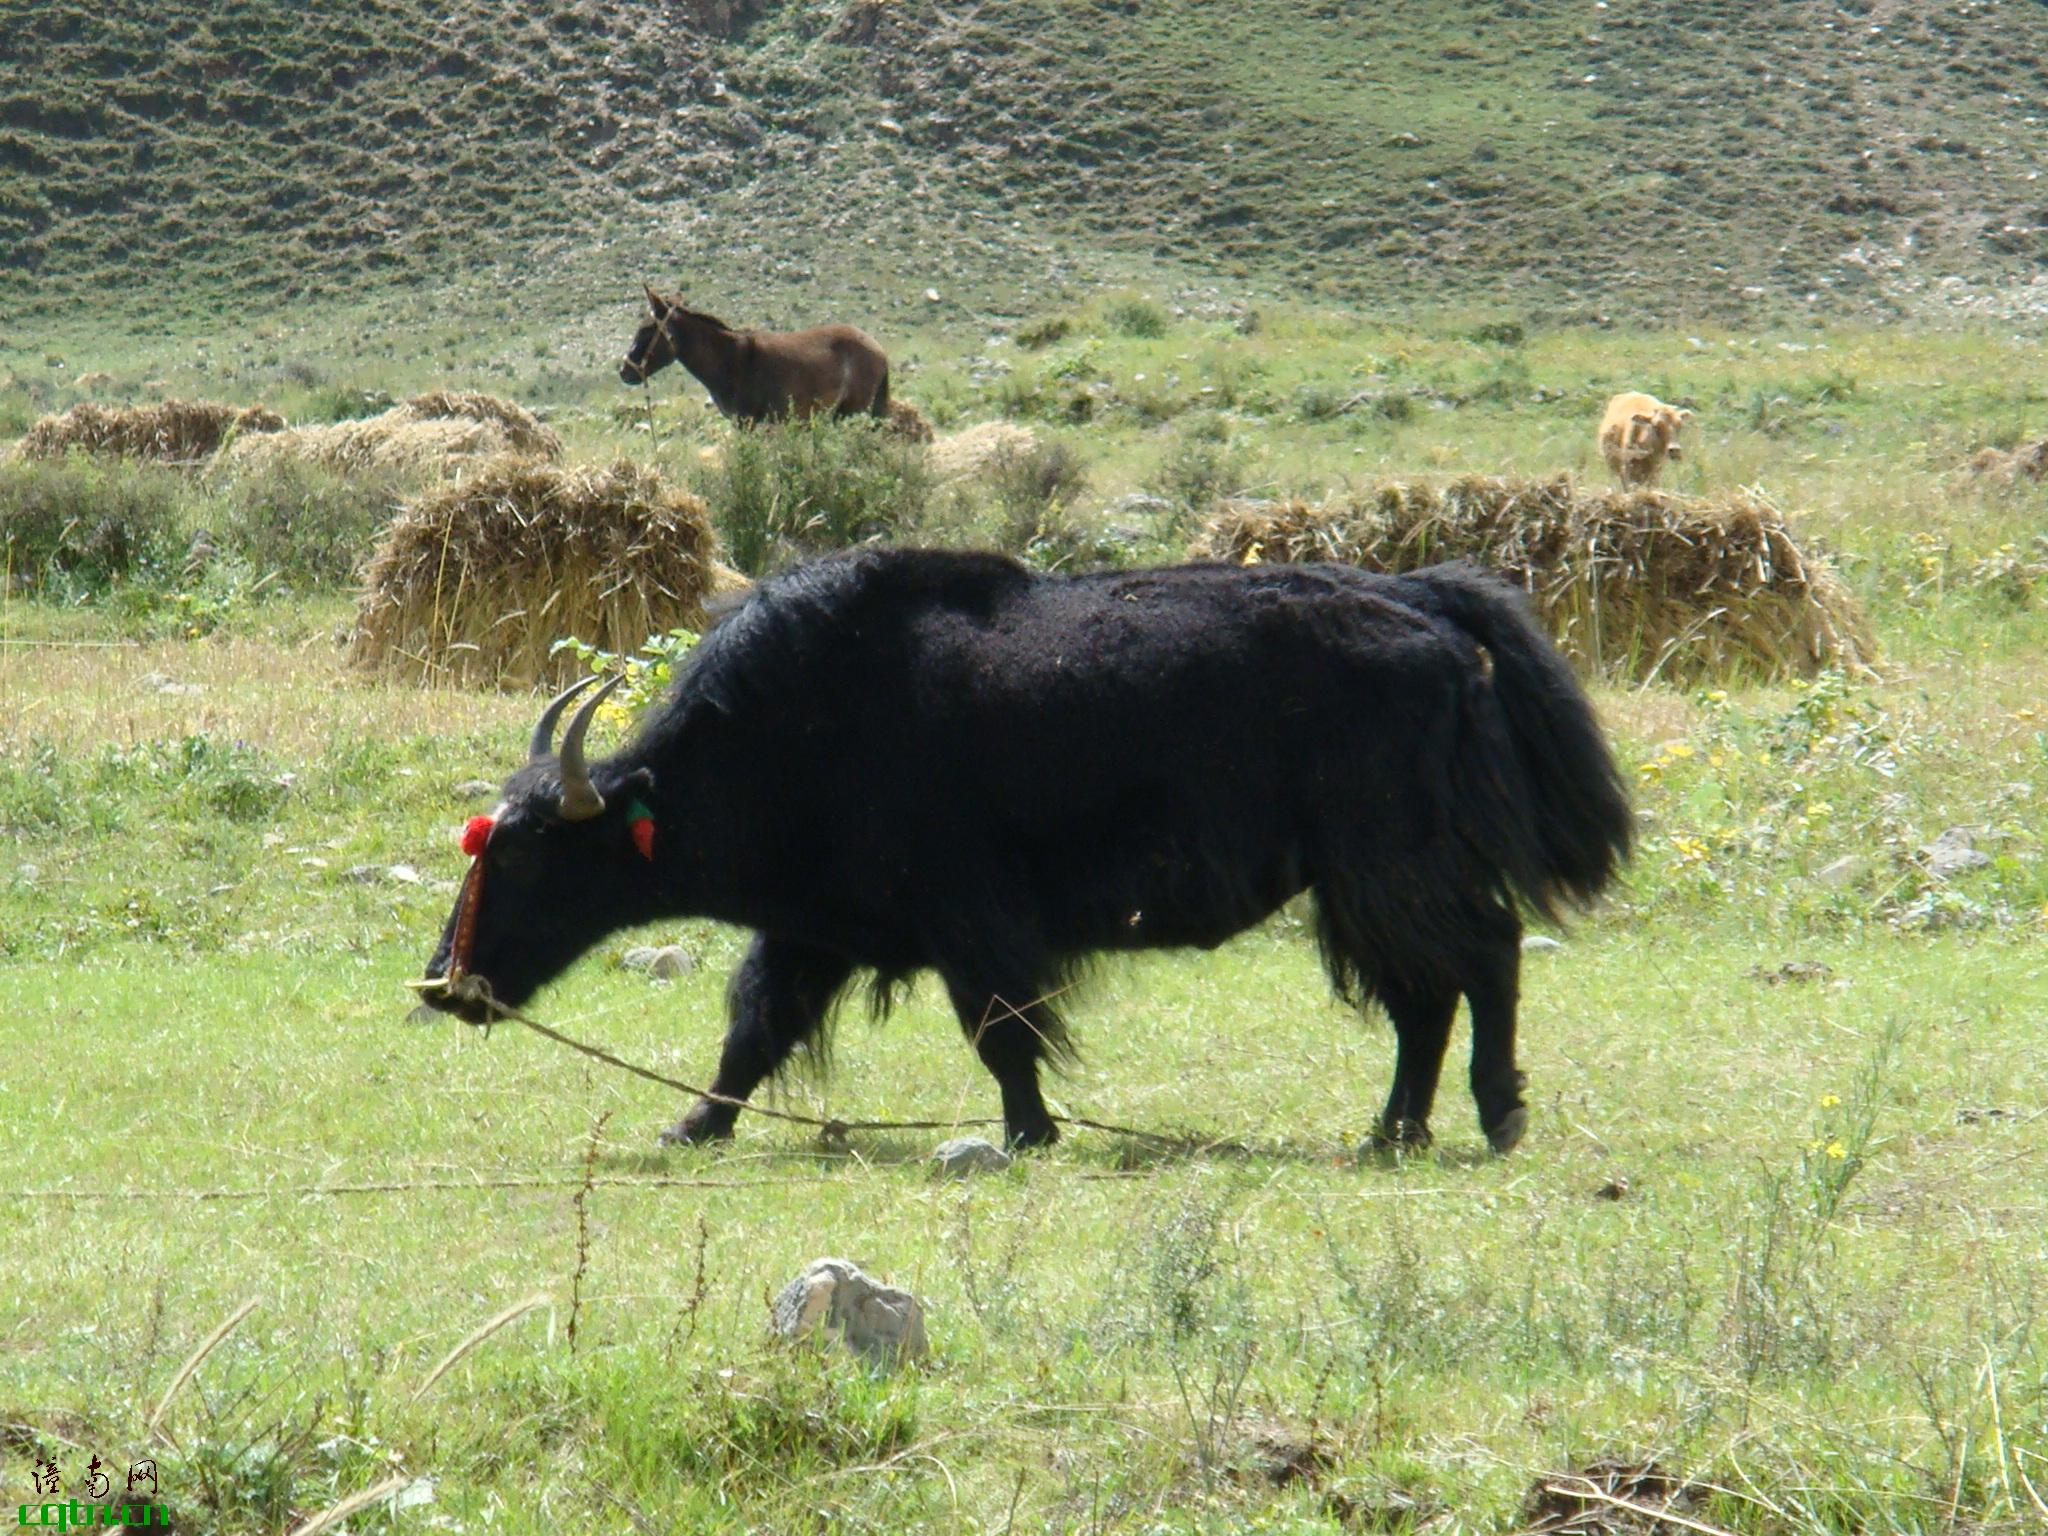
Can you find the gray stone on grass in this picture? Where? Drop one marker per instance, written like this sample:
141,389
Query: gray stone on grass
883,1324
1532,943
664,962
1846,870
1952,853
965,1156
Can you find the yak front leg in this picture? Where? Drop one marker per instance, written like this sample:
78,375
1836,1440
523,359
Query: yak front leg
779,999
1012,1030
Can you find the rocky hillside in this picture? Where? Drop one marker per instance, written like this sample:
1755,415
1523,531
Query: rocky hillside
1666,158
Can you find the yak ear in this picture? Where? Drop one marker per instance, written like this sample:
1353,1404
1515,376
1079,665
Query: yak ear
1684,417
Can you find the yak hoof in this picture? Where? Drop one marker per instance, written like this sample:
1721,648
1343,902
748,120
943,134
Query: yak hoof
1402,1135
1506,1136
1023,1137
702,1124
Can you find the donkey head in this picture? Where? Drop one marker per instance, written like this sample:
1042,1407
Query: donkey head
653,348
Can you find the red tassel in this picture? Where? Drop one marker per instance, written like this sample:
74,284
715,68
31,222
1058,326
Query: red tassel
475,833
643,836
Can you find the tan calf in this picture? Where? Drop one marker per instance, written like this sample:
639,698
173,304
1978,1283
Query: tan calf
1638,433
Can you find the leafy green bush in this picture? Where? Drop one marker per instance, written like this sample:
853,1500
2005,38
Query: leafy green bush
648,670
1199,470
806,487
1136,316
1043,332
76,525
1029,487
309,524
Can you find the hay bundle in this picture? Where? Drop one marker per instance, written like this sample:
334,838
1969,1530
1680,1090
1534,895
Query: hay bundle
974,449
430,433
522,430
1639,584
907,421
2029,462
167,432
475,580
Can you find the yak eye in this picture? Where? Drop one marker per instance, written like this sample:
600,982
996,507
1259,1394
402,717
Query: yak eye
513,855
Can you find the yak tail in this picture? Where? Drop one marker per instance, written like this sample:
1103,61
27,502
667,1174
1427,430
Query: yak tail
1556,818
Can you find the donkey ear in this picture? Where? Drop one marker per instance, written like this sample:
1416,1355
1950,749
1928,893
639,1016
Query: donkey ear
655,301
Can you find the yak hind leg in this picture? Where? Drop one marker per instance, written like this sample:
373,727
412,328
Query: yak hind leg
778,1000
1422,1013
1012,1029
1492,986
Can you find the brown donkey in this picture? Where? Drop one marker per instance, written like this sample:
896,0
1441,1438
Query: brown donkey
762,375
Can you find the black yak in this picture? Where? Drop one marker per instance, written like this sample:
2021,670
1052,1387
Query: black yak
894,761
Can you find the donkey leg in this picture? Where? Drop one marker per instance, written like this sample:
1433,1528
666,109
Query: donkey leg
1422,1014
1493,988
1012,1031
778,999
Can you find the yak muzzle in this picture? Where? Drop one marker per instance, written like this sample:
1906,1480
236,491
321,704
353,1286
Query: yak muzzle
468,997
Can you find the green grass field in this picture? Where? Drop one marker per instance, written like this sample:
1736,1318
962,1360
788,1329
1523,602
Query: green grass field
1776,1233
1814,1299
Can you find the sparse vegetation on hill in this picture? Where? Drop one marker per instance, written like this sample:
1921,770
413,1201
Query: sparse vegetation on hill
1651,160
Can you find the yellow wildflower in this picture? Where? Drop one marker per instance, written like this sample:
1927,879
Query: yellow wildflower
1830,1100
1837,1151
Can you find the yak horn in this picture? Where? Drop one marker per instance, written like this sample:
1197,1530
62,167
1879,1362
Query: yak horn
543,743
580,799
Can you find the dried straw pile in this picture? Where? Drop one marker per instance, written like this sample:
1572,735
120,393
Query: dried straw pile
476,579
444,430
167,432
2029,462
1640,584
906,420
974,449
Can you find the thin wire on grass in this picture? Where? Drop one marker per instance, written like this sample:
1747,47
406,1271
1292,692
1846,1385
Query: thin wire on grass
394,1187
831,1129
192,1364
504,1319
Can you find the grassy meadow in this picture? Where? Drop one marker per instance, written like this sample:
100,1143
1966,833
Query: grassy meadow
1777,1228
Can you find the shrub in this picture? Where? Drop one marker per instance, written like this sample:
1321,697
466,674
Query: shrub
1031,487
1043,332
1198,472
806,487
648,671
77,524
310,524
1140,317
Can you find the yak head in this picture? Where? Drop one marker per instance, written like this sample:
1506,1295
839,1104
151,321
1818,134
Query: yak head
565,859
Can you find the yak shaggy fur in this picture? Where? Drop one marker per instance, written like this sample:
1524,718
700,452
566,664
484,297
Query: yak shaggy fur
894,761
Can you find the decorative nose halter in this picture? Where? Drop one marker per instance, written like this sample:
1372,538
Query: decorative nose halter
579,801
